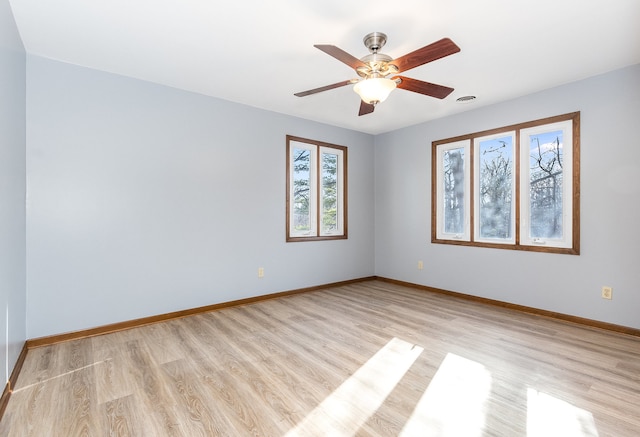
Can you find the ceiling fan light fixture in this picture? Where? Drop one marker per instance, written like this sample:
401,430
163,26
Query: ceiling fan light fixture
374,68
374,90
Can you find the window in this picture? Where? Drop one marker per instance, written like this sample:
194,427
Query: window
515,187
316,190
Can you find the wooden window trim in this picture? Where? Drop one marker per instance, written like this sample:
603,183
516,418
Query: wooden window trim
344,173
574,117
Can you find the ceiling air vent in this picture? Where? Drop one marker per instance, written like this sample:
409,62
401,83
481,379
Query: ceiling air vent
465,99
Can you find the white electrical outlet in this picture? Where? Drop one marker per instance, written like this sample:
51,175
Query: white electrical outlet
607,293
420,265
260,272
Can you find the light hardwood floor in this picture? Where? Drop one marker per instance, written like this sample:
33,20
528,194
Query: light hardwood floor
366,359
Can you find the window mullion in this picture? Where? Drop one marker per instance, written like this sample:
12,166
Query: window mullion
518,182
472,210
318,183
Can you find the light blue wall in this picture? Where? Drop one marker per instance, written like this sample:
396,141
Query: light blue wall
610,207
12,192
145,199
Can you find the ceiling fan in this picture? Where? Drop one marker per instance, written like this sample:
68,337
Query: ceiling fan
374,85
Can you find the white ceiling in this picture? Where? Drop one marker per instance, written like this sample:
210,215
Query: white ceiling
259,52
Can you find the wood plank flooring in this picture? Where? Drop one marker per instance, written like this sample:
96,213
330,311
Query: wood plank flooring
365,359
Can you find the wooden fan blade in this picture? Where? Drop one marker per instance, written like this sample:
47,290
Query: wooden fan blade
365,108
437,50
323,88
341,55
426,88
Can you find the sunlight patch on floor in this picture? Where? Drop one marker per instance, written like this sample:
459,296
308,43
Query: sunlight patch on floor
62,375
344,411
549,416
453,404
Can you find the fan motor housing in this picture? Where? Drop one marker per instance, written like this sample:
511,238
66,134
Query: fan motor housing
378,65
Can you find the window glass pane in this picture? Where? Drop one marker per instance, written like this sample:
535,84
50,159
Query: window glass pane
329,194
545,181
301,215
453,190
495,157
